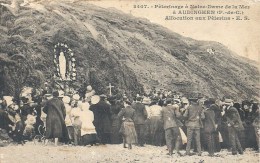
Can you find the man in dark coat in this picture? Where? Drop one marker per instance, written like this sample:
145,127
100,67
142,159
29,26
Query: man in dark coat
26,109
194,115
5,121
171,126
209,129
139,119
215,106
102,119
55,124
235,126
249,115
256,124
19,129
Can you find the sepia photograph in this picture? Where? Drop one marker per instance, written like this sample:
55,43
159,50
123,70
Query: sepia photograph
129,81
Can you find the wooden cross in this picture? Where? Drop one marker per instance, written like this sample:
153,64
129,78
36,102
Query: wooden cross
110,88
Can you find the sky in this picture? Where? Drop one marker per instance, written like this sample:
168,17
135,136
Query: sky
242,37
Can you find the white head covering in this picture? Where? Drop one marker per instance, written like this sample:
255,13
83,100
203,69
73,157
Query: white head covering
89,88
84,106
76,97
95,99
26,91
61,93
66,99
79,103
8,99
16,107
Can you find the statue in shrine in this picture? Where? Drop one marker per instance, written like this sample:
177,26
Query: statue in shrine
62,65
65,66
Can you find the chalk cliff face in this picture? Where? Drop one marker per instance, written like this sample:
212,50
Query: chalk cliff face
131,53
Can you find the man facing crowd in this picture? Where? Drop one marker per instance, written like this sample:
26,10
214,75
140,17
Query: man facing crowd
194,115
171,126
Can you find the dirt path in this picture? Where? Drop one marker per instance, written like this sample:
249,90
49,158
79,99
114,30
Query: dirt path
110,153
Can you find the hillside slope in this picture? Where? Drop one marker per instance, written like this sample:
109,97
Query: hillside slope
129,52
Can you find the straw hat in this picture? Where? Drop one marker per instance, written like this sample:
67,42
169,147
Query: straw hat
48,96
184,100
228,102
146,101
95,99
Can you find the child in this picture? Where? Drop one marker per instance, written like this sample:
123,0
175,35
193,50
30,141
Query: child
77,124
68,118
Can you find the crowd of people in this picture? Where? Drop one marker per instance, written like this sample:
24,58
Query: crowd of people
201,124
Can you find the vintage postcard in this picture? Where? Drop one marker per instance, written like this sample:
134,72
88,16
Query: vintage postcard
129,81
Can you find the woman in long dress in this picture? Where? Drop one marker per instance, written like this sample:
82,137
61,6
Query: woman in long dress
115,121
128,128
88,131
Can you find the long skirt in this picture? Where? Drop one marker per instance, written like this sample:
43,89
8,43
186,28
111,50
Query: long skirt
115,127
156,128
89,139
128,131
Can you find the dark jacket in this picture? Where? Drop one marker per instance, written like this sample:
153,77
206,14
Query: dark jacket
233,118
127,113
194,115
55,124
115,109
209,121
140,113
217,111
102,116
256,122
5,121
170,117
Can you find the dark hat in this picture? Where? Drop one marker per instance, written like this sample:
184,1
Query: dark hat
193,100
55,93
237,105
212,100
139,98
112,98
168,100
128,102
156,99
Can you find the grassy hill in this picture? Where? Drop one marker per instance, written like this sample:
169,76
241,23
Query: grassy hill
132,53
